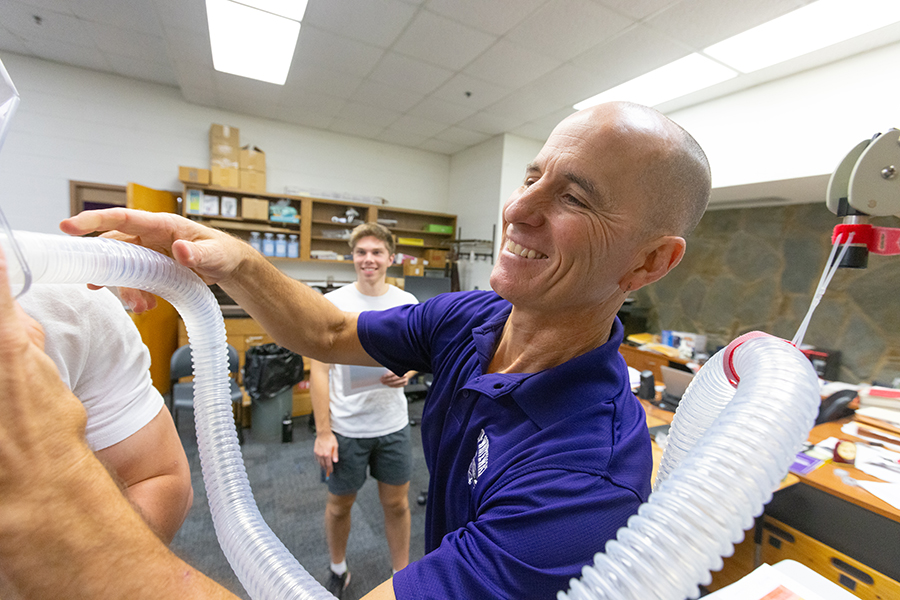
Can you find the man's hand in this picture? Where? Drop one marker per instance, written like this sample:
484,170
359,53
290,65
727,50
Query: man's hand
214,255
326,450
394,381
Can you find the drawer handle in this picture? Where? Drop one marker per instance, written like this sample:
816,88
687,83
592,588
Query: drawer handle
779,532
852,571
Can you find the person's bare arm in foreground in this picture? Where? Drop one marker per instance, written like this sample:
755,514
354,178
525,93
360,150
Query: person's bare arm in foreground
65,529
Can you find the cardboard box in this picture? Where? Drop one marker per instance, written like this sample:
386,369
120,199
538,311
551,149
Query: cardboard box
225,177
413,267
253,181
193,175
253,159
224,147
255,208
436,258
224,140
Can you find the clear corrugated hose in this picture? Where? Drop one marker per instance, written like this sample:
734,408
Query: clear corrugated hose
727,451
266,569
728,447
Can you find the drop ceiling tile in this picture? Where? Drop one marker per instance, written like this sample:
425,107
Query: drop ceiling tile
385,96
181,14
458,135
635,51
183,46
401,138
312,101
409,73
60,6
560,88
12,43
493,16
143,70
490,124
441,147
54,27
441,41
245,88
372,116
139,16
305,118
332,51
355,127
341,85
637,9
471,92
701,23
556,31
128,42
69,54
510,65
196,94
441,111
417,125
376,22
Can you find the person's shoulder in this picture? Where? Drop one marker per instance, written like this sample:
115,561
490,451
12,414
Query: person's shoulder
64,298
401,296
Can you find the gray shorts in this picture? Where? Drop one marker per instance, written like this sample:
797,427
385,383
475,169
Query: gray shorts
389,459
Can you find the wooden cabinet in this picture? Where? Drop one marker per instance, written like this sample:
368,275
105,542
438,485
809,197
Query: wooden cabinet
781,542
322,235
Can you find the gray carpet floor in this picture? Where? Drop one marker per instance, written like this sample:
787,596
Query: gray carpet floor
286,484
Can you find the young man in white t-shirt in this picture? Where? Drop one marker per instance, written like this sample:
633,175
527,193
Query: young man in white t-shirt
361,416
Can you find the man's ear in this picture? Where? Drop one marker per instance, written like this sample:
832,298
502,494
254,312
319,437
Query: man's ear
656,259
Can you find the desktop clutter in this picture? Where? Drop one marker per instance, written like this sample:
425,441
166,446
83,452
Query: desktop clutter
868,439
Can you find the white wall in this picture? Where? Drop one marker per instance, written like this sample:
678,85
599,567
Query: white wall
474,187
800,125
84,125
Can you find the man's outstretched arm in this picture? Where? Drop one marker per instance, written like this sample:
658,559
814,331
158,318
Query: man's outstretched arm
295,315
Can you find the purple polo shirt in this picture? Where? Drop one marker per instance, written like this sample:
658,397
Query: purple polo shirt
531,473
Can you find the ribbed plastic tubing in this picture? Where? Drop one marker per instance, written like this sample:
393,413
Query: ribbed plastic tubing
264,566
730,444
733,438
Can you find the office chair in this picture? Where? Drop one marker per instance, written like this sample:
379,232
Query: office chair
183,393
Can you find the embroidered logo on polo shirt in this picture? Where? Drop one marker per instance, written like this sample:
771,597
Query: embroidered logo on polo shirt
480,460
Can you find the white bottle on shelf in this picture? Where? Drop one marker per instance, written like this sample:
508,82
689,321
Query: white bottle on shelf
255,242
293,246
280,245
268,247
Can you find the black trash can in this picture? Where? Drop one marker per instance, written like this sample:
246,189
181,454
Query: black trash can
270,373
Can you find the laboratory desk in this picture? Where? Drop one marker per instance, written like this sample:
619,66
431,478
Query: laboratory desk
842,532
646,360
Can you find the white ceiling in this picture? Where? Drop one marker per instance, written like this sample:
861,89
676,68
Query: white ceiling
439,75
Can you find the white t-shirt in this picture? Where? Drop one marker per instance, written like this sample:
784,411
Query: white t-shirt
100,357
375,409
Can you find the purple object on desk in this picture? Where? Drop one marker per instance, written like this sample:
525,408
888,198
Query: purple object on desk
805,464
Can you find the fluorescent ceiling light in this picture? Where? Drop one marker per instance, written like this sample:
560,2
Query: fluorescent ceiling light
250,42
815,26
292,9
689,74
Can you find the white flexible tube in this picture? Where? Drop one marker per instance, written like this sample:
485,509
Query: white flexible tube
727,451
262,563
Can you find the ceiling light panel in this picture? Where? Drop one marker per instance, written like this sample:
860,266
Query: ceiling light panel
291,9
813,27
250,42
689,74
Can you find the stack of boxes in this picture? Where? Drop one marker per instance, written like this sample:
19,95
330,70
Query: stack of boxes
253,169
224,156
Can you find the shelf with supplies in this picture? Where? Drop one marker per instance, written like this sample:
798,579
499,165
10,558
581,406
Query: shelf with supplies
322,226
